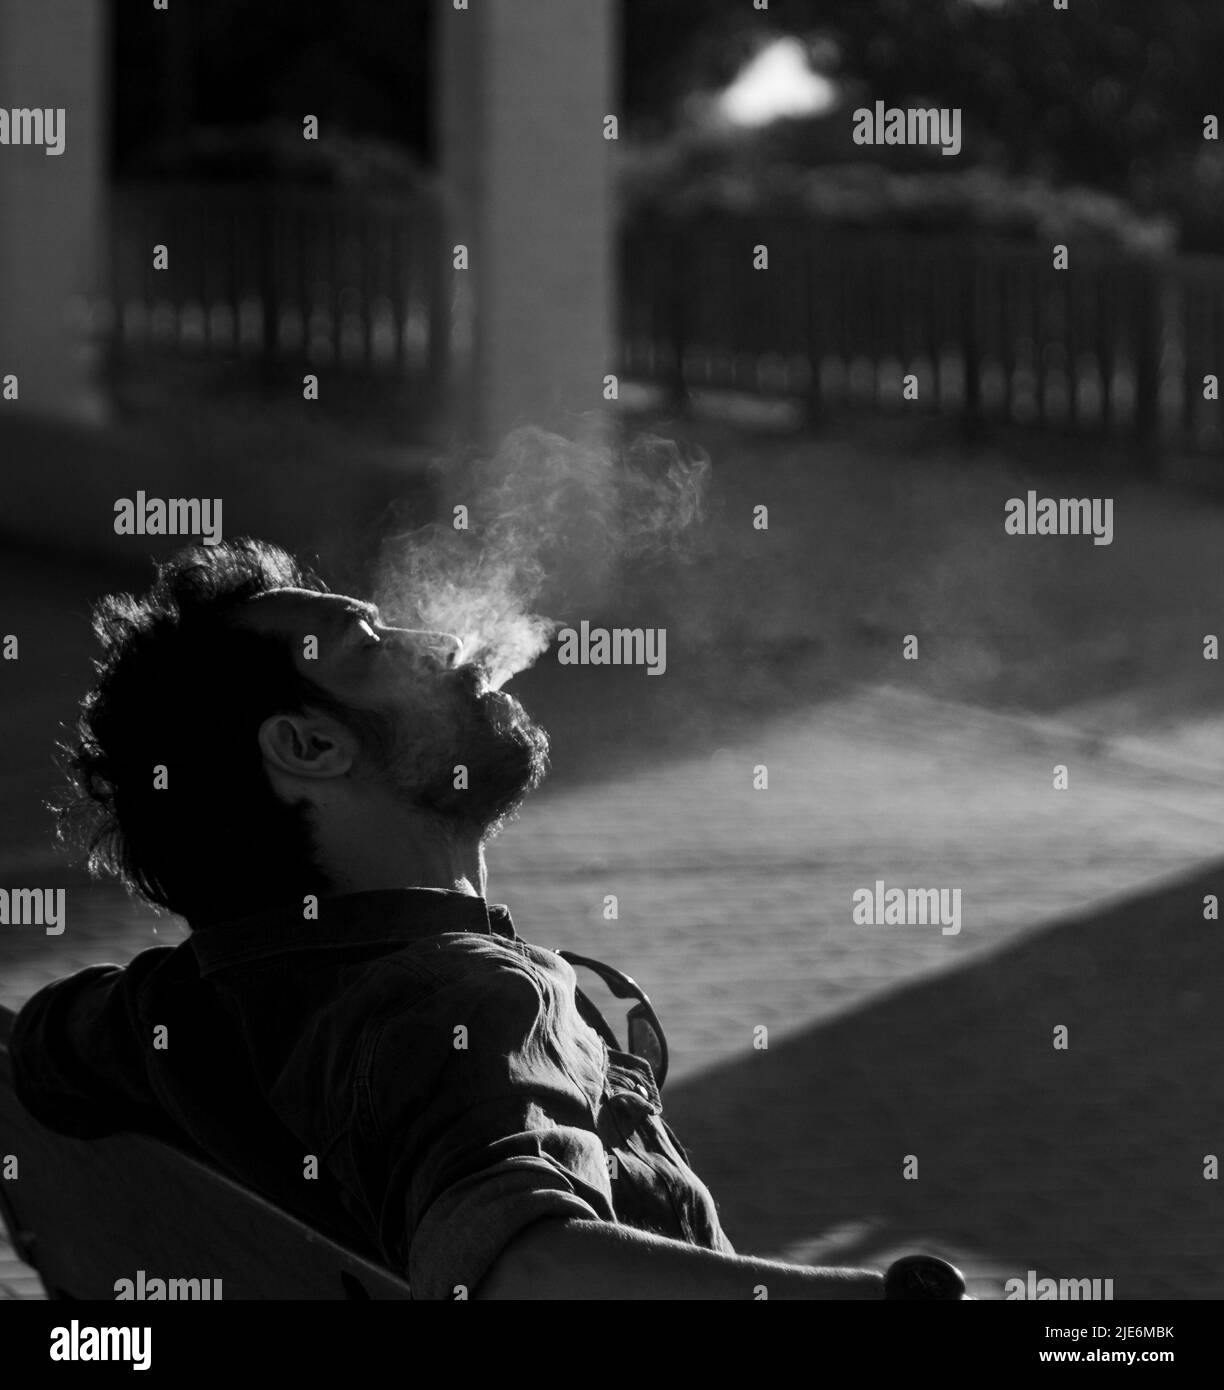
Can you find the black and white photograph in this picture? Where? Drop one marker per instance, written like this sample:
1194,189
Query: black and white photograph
610,621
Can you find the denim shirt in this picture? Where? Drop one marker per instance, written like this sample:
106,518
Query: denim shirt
432,1062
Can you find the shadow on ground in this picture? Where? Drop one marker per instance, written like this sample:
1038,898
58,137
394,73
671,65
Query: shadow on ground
1082,1163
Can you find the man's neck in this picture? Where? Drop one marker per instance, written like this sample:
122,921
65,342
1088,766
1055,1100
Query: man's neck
404,849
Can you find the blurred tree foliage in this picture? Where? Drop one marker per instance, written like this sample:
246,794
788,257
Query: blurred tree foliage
1108,94
254,68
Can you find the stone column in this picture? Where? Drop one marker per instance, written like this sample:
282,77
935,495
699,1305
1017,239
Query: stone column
53,224
523,90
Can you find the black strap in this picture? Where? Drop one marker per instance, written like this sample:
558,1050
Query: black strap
592,1017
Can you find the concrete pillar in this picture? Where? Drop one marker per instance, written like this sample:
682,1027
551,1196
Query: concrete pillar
53,225
523,90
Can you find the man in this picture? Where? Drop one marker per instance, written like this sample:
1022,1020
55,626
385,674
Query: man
313,791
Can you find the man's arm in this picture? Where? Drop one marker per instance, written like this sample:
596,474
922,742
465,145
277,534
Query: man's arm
569,1259
77,1054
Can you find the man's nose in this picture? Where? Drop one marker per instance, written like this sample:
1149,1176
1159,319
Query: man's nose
442,647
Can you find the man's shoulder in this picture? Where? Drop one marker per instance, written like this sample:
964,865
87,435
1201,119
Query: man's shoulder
421,975
400,1016
107,980
494,1014
77,1045
458,956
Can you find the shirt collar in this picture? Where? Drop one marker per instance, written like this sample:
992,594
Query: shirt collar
385,916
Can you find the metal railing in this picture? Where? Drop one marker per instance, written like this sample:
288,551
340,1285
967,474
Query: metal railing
361,282
279,274
1113,345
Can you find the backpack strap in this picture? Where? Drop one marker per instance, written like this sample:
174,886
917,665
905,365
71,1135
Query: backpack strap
590,1012
621,986
592,1017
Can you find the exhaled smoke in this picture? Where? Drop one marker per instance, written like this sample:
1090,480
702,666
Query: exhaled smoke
545,522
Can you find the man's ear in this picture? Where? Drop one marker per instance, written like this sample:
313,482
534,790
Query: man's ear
307,745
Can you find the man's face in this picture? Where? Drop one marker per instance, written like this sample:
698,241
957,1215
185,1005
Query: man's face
440,718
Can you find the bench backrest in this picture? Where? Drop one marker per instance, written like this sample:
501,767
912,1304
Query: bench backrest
88,1213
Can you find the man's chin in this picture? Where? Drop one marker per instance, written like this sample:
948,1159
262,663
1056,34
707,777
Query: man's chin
506,760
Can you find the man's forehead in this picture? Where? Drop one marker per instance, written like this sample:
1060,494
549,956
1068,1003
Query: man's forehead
281,610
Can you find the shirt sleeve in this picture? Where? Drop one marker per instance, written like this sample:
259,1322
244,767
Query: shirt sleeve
78,1063
482,1098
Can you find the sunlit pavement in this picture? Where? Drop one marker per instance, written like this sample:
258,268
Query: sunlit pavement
734,905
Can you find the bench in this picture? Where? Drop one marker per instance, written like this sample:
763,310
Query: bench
87,1213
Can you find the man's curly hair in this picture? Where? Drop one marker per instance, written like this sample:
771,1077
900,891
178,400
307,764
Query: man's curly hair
180,686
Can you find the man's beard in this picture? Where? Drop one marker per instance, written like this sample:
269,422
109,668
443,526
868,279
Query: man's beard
494,751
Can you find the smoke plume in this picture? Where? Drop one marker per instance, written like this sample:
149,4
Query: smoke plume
544,522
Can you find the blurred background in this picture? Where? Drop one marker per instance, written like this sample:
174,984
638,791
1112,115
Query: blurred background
470,244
